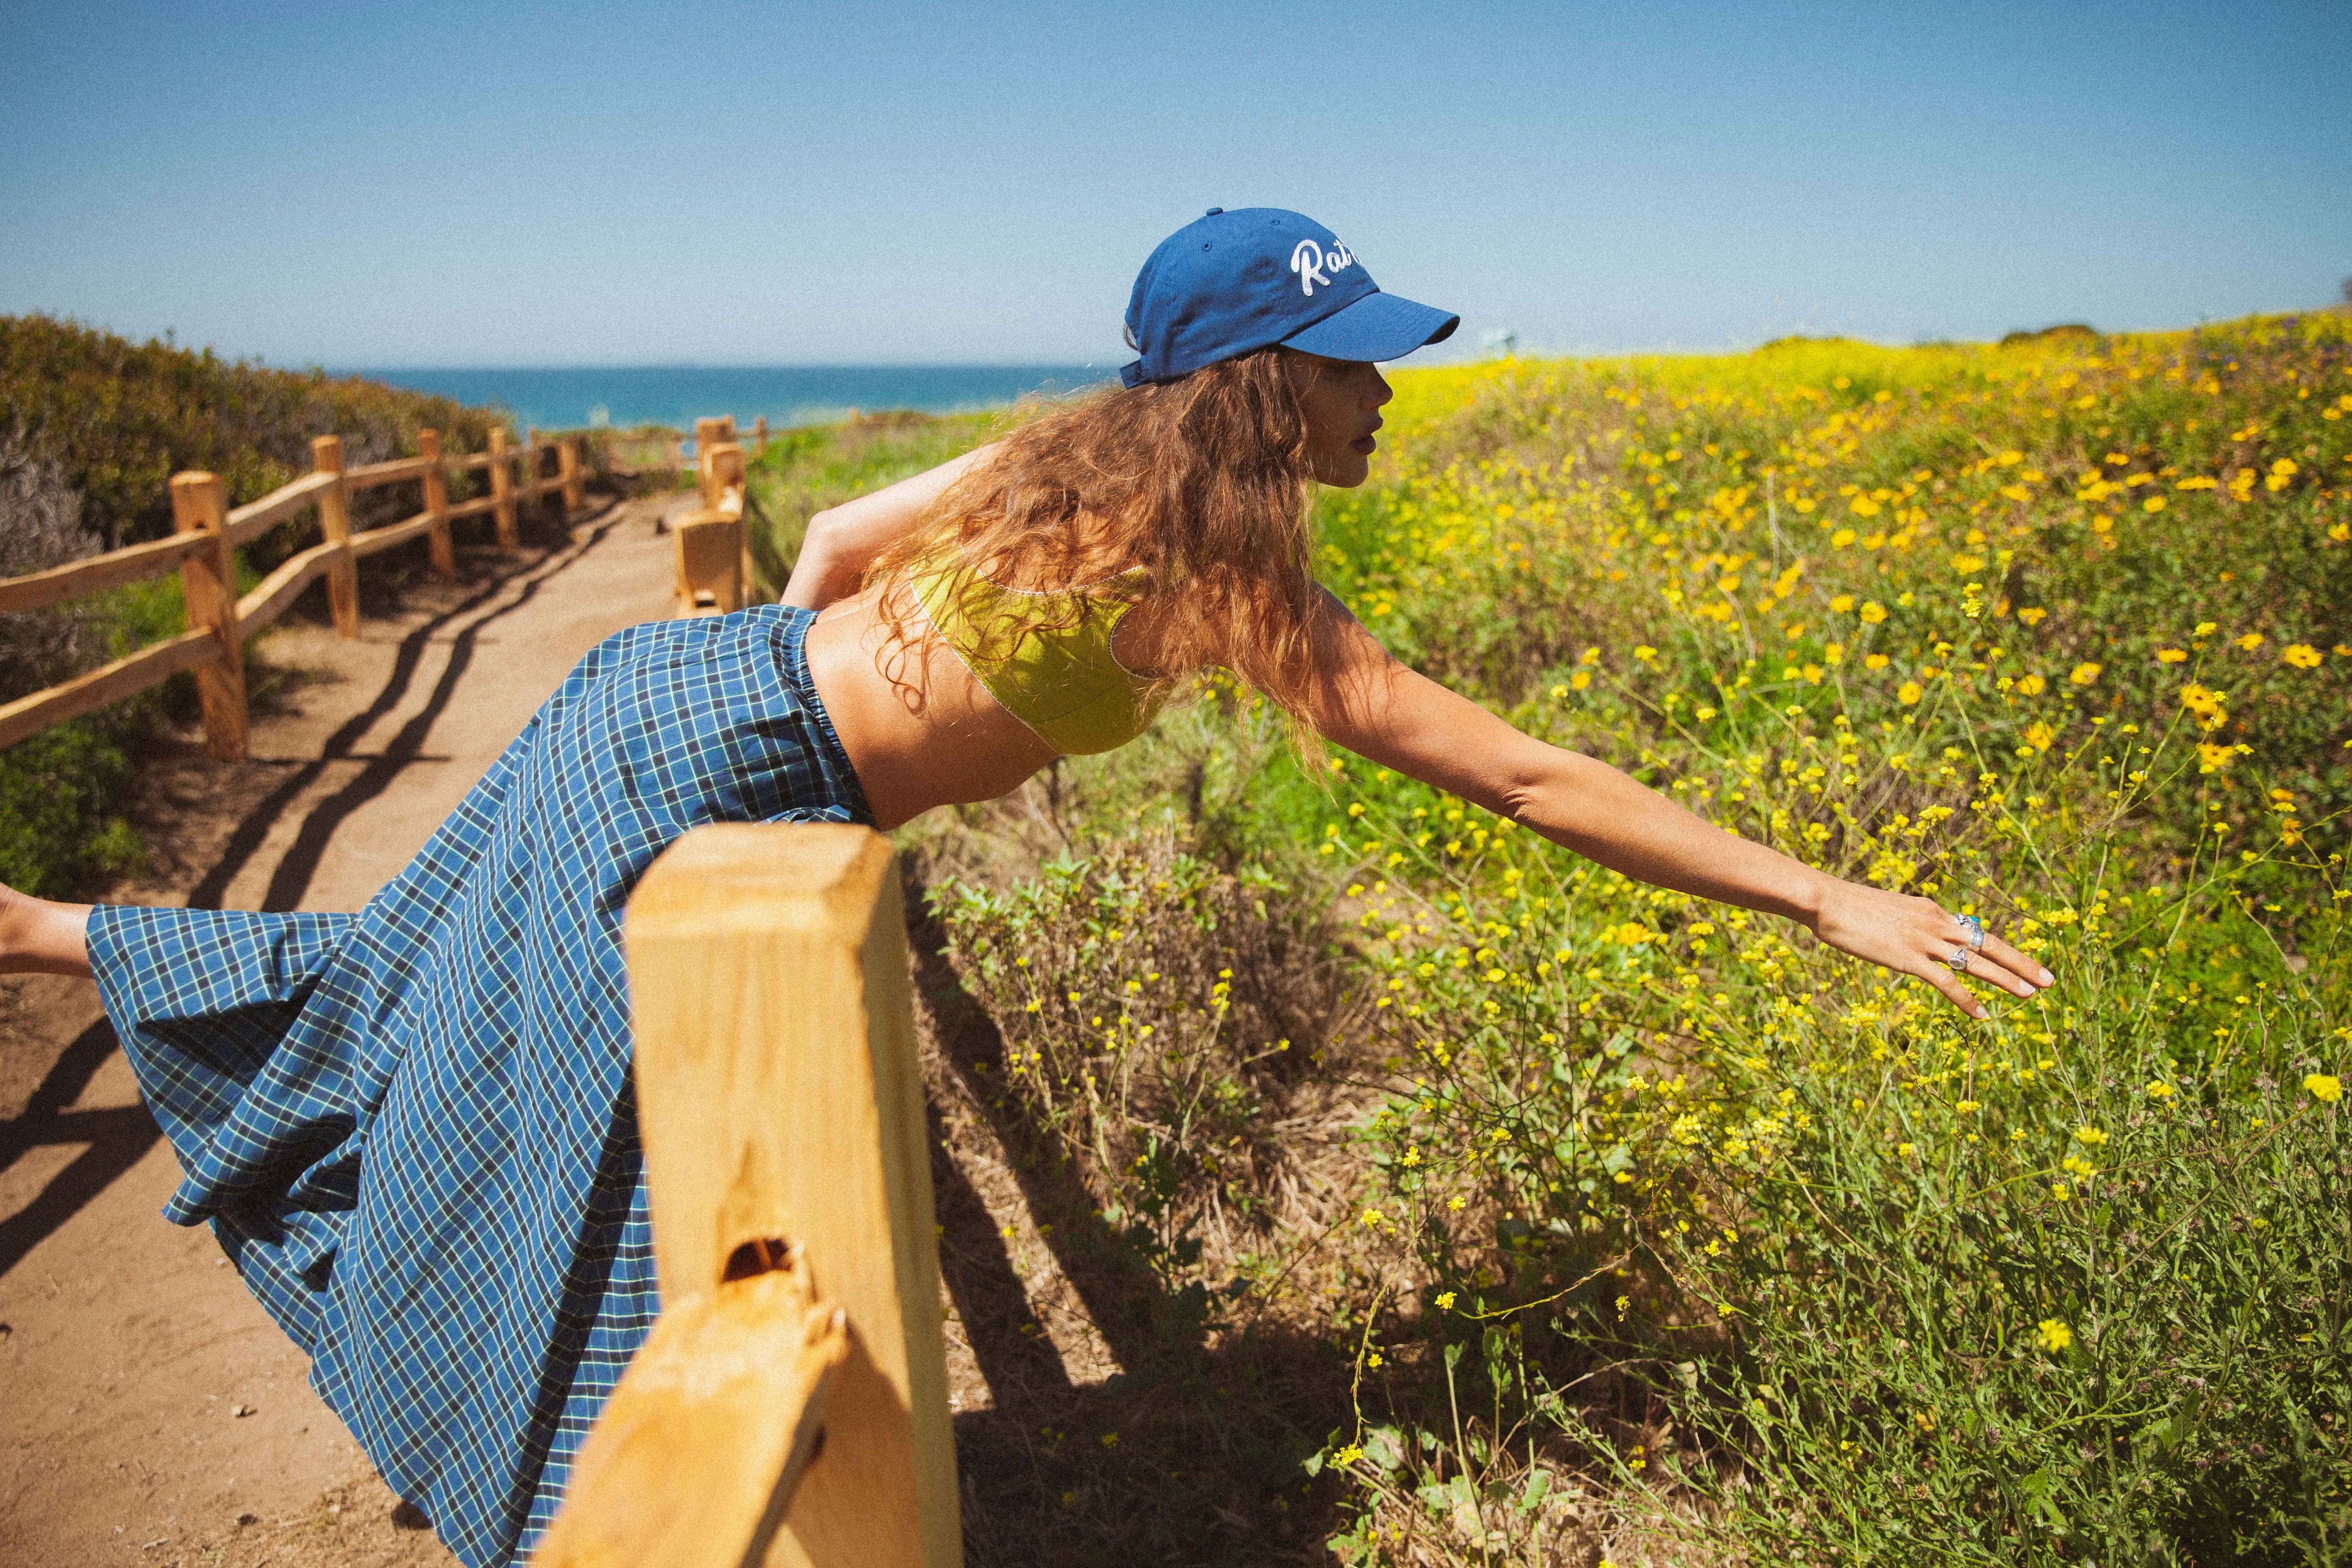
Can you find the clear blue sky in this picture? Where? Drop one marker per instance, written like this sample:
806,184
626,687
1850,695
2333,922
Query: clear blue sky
538,183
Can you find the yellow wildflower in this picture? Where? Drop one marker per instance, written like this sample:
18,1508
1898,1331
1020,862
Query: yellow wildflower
2301,655
2326,1087
2052,1335
2086,674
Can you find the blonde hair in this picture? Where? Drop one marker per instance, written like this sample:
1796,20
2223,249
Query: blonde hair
1197,490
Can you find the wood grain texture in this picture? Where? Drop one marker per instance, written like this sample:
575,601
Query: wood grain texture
254,518
126,677
442,553
779,1096
369,476
335,529
709,562
698,1454
75,579
502,500
274,594
208,586
391,536
567,467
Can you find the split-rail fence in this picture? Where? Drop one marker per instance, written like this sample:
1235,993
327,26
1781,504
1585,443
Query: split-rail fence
207,533
789,1408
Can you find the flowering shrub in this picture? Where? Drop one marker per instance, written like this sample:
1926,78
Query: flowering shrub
1667,1219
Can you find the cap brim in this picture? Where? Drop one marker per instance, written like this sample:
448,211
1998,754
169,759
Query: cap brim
1376,327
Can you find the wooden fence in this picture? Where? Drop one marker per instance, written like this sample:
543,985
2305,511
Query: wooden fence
714,553
205,535
790,1407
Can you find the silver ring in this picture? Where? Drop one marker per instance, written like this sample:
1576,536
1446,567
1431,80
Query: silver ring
1975,928
1959,962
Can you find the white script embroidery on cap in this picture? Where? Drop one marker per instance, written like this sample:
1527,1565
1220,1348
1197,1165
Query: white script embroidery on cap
1310,259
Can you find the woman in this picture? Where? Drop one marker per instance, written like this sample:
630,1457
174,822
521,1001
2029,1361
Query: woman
411,1126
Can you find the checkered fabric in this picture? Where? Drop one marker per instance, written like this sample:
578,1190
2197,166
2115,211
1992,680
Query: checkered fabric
413,1127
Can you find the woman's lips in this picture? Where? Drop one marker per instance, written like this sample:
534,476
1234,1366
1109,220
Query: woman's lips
1363,443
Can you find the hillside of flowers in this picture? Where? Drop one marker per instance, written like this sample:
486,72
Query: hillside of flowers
1538,1216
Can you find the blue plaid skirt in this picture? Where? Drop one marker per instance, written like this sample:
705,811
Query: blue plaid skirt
413,1127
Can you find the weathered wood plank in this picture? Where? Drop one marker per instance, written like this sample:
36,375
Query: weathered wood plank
251,520
709,552
126,677
96,573
376,540
780,1100
368,476
271,597
733,1382
208,589
335,529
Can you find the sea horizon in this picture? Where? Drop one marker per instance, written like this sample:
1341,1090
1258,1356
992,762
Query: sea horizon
627,397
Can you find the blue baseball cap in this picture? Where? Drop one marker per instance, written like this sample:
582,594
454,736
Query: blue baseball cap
1233,281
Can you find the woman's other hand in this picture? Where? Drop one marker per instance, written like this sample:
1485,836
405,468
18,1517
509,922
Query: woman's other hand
841,539
1920,937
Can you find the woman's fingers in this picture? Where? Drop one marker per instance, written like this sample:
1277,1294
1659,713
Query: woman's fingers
1945,981
2022,965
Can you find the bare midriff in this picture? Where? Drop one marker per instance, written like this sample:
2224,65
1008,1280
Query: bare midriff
920,729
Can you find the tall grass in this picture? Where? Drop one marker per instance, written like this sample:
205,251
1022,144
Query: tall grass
1660,1229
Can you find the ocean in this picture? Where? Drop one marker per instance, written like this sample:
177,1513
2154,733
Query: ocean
676,395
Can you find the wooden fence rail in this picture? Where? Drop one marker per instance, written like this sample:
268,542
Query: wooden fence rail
790,1407
207,533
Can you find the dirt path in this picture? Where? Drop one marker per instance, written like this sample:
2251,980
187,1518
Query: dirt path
149,1412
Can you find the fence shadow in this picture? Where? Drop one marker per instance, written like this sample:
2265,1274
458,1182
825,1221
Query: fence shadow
290,879
118,1137
1192,1451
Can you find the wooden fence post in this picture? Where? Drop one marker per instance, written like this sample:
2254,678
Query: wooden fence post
436,503
567,464
502,490
781,1107
708,435
711,580
335,528
728,491
760,433
208,583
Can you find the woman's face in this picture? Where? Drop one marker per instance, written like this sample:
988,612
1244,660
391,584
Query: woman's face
1341,399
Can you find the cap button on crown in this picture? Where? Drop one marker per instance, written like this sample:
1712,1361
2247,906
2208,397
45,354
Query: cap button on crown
1212,212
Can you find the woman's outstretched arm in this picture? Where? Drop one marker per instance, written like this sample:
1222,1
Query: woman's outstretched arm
1383,711
841,539
37,937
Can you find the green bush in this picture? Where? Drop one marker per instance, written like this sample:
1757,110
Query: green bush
1666,1228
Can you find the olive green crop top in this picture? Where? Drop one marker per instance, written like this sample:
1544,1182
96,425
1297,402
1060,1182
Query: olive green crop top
1063,682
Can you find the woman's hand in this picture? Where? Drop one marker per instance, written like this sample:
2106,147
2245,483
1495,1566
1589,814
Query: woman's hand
841,539
1918,936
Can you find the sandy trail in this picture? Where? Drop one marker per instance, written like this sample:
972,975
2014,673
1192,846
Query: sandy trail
150,1411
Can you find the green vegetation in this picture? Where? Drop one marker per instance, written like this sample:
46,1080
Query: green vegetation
1496,1209
92,427
808,468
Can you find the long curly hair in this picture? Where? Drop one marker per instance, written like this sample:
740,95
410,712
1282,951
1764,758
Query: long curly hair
1191,495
